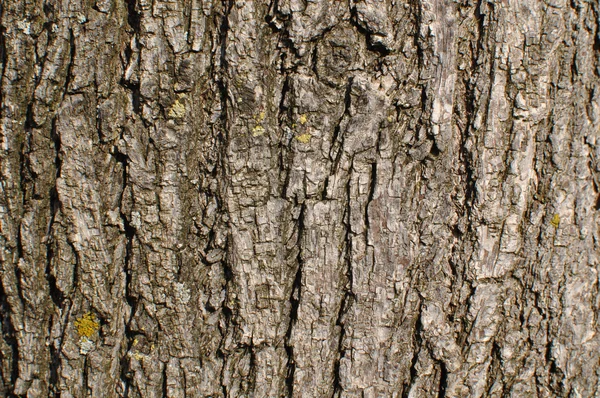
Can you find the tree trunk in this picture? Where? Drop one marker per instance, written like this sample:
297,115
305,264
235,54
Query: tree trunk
357,198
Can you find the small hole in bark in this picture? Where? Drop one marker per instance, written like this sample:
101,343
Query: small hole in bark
456,232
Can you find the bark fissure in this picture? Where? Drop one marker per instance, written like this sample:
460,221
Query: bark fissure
132,299
348,295
220,77
70,63
417,346
337,140
10,338
443,385
55,293
3,54
295,297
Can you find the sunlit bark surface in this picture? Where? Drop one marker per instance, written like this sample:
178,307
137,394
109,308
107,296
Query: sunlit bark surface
326,198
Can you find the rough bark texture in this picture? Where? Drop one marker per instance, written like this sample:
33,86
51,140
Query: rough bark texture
296,198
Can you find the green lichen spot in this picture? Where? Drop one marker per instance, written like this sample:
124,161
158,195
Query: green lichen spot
555,221
177,110
258,130
87,325
304,138
303,119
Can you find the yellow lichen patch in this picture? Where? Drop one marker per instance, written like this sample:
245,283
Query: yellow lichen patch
87,325
258,130
304,138
555,221
303,119
260,117
390,118
177,110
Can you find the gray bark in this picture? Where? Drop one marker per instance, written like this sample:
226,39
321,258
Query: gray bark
374,198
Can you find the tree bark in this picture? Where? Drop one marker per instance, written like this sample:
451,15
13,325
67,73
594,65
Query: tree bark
326,198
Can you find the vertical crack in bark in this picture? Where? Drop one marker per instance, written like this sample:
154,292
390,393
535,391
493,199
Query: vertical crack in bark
295,298
466,157
85,376
372,185
222,382
54,365
253,370
286,138
18,273
56,294
596,43
220,78
224,326
556,377
10,338
443,380
337,140
337,386
131,299
165,388
593,166
3,57
134,19
417,11
348,294
418,343
495,372
75,266
480,33
72,51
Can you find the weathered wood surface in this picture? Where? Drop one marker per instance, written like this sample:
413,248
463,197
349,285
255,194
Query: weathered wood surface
374,198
